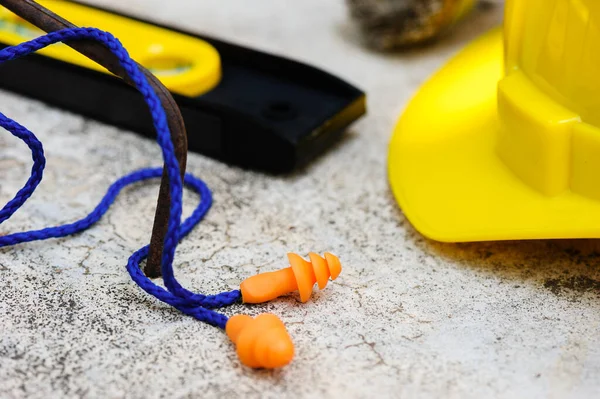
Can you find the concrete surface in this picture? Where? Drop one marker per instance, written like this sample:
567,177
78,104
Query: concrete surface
407,318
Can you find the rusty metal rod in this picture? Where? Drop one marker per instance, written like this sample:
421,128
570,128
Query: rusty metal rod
48,21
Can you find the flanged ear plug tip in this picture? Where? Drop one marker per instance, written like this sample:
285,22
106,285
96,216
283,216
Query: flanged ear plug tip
261,342
300,276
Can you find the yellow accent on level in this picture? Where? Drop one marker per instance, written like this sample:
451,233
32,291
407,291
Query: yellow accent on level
184,64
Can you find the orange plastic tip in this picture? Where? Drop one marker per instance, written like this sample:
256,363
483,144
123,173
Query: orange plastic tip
262,342
301,275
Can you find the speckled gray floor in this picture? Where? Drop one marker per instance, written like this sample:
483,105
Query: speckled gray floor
407,318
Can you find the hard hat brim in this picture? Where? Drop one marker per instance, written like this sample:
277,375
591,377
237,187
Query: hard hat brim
447,176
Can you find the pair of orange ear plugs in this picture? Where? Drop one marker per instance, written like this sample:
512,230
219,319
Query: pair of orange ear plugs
263,341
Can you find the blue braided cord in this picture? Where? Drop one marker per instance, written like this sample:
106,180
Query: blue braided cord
39,162
196,305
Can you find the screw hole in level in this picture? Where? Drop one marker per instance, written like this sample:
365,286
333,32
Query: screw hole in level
280,111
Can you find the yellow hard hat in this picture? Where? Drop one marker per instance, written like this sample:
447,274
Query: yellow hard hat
503,142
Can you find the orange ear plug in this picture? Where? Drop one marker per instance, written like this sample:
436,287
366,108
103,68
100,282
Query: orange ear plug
301,275
262,342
